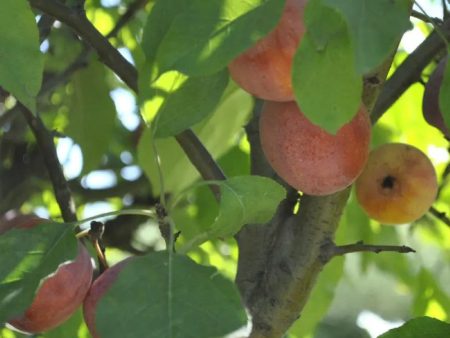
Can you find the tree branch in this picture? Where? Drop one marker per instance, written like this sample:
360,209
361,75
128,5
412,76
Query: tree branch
82,60
131,11
45,25
410,70
361,247
46,144
80,24
425,18
442,216
293,264
201,159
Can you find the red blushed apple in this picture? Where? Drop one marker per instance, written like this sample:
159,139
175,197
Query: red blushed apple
398,184
61,293
306,156
264,70
97,291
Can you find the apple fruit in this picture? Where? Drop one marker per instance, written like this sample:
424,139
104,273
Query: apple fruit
398,184
61,293
430,103
306,156
264,70
100,286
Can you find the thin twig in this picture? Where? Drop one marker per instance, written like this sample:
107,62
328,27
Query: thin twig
435,24
440,215
46,144
83,58
131,11
361,247
201,158
84,28
425,18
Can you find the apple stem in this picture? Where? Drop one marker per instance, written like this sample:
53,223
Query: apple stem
95,234
100,250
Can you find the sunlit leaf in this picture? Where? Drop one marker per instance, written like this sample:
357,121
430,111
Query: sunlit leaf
182,101
201,37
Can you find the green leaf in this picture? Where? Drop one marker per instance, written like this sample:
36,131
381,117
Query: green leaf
196,217
92,114
21,62
218,133
158,23
29,255
419,328
181,101
235,162
325,60
375,28
244,200
444,97
200,37
154,298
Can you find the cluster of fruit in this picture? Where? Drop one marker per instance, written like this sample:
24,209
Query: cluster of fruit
397,182
62,292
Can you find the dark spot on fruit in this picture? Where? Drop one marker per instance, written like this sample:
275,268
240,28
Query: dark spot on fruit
388,182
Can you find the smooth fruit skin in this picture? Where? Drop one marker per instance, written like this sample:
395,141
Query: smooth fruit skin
60,293
306,156
430,103
264,70
398,184
98,289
